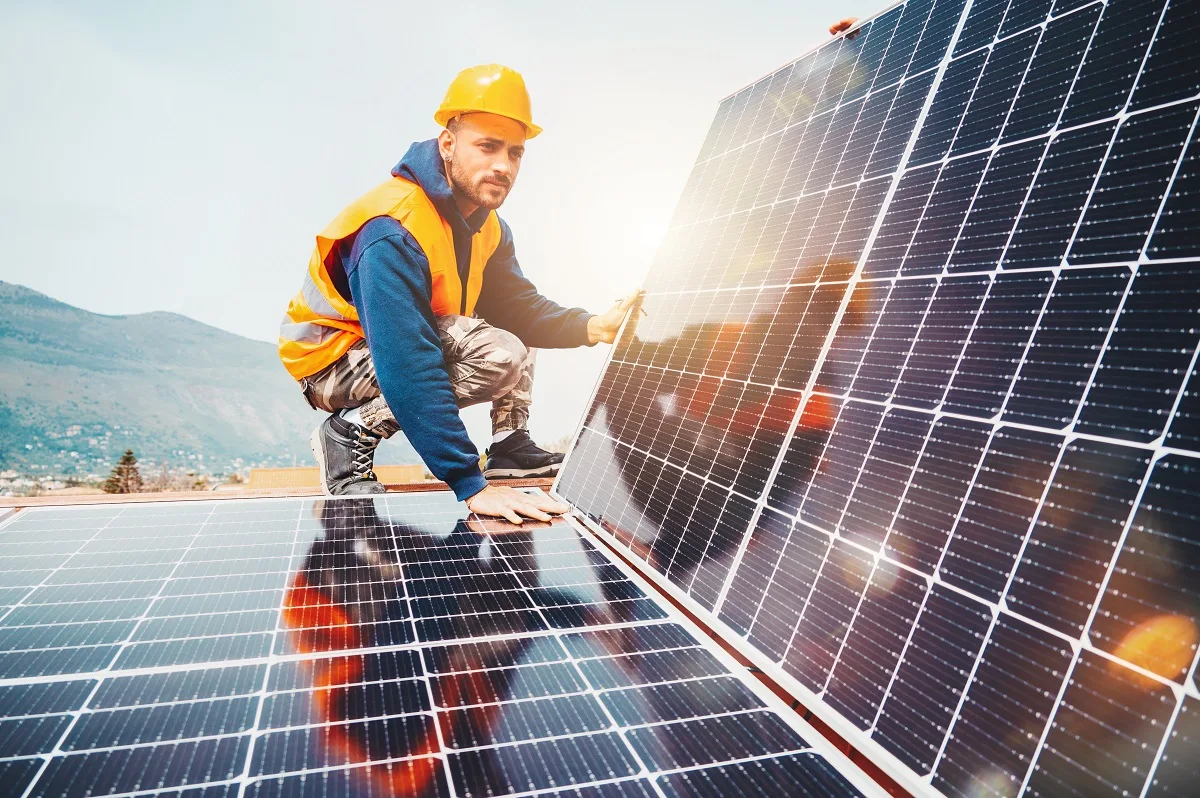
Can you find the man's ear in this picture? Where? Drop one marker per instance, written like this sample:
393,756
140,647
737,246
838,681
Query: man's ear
446,145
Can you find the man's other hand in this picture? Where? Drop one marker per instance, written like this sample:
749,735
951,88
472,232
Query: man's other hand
603,329
842,25
501,502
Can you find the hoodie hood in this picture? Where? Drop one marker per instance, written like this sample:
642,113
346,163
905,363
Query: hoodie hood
422,165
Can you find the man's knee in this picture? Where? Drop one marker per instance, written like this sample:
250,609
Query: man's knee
506,356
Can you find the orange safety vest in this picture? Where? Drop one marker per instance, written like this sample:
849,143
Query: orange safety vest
320,326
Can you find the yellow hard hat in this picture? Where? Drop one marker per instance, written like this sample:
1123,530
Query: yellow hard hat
491,89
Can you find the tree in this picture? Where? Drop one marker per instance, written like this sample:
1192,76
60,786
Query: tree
124,477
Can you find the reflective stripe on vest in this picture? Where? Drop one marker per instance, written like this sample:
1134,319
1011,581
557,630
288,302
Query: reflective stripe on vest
320,326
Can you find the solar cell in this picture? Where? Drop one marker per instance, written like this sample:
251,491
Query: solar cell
392,646
973,292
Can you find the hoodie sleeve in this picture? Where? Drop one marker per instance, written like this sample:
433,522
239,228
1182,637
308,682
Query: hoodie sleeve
510,301
389,281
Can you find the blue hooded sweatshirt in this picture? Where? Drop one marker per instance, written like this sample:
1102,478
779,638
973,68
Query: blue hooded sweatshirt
386,277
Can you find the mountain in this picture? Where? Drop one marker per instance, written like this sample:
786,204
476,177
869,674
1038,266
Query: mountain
77,388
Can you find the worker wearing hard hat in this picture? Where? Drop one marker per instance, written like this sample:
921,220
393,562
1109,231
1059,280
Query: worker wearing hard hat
414,306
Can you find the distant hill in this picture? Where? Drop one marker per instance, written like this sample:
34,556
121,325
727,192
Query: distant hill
167,386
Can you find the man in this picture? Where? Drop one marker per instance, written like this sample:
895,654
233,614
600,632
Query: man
414,306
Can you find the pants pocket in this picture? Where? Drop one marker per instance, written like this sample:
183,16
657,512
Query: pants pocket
306,388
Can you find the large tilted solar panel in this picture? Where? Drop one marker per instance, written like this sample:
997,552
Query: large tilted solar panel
911,407
377,647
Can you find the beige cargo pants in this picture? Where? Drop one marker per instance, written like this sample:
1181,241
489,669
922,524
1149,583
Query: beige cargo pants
485,363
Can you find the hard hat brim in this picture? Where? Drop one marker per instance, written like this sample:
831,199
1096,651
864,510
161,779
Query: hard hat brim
444,115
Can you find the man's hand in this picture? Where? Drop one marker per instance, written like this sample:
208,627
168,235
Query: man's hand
500,502
603,329
842,25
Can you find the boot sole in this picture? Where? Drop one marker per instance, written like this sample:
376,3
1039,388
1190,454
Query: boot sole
521,473
318,450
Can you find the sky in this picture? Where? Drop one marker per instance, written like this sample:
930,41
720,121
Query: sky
181,156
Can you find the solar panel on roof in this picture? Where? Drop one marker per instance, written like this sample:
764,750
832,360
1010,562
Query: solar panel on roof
390,646
909,406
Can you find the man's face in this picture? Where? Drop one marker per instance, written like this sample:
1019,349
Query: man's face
483,155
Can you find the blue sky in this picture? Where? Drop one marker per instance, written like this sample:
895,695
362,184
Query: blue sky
181,156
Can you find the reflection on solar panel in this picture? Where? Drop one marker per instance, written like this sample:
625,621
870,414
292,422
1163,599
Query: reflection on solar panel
910,405
386,646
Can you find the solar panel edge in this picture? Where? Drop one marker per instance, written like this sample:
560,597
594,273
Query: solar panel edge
654,582
809,700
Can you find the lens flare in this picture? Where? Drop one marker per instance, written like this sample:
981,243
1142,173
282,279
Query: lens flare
1163,644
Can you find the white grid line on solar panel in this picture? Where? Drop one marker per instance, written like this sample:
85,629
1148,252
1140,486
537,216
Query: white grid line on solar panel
48,576
889,281
781,200
1134,505
1146,673
255,730
928,97
884,547
727,484
957,56
1171,724
831,50
892,404
382,764
1158,213
1041,27
298,658
845,298
56,614
447,753
292,558
165,793
1156,456
1106,656
651,777
57,749
778,199
415,645
586,687
549,624
105,749
461,749
703,479
662,582
1121,118
35,779
1153,445
998,609
734,666
997,612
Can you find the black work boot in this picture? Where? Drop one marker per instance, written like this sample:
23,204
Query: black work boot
346,452
518,457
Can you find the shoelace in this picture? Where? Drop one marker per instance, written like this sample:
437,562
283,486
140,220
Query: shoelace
364,450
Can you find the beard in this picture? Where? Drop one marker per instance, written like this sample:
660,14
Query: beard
478,189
